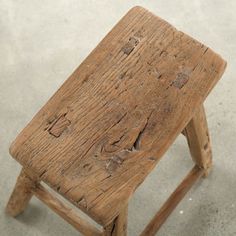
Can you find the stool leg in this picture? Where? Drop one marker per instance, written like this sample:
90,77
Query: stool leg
21,194
119,226
198,139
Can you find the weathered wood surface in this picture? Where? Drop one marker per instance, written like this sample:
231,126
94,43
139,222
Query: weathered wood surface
198,138
172,202
105,129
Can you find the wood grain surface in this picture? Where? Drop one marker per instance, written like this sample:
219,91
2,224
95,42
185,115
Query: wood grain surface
105,129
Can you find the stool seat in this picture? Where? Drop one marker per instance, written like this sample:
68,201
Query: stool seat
105,129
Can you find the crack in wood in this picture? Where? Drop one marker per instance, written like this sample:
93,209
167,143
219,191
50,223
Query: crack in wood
41,175
113,227
115,142
137,141
68,190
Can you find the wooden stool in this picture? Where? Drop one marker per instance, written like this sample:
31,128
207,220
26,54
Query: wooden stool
100,135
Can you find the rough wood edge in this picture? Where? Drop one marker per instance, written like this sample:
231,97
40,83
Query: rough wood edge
172,201
65,212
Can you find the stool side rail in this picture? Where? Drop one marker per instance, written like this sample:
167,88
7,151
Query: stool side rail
172,202
65,212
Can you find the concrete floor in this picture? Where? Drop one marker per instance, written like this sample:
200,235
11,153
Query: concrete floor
42,42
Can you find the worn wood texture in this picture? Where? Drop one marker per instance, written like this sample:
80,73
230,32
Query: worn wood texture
21,194
66,213
172,202
198,138
105,129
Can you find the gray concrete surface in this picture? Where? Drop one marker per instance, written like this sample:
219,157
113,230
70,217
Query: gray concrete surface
42,42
